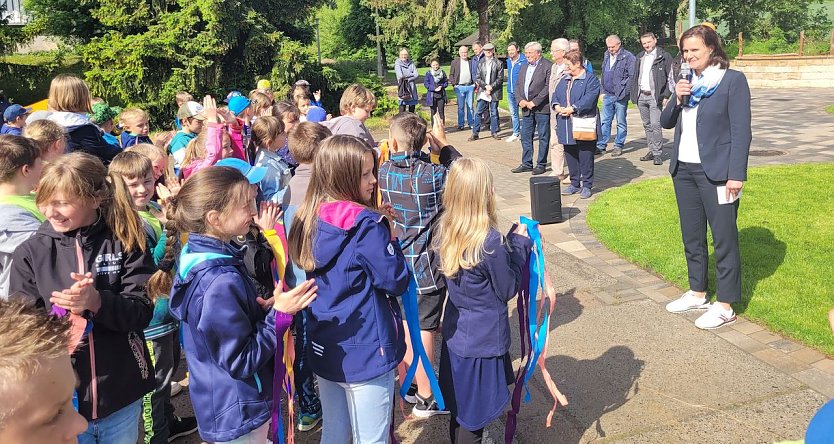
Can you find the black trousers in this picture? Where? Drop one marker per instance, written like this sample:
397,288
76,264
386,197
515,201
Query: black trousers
439,106
460,435
580,160
410,108
157,410
697,198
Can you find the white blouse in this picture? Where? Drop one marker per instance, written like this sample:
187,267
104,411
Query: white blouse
688,148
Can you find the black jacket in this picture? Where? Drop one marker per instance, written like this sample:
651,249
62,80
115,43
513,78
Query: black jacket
496,79
723,129
122,364
88,138
538,87
660,76
454,72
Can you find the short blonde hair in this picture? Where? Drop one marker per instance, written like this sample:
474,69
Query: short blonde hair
133,115
356,96
29,337
183,97
45,133
305,139
70,94
149,150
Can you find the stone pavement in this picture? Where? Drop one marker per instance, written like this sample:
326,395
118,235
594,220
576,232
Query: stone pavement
632,372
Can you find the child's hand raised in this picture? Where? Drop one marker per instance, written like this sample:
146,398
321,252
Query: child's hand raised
298,298
438,129
210,109
317,96
269,215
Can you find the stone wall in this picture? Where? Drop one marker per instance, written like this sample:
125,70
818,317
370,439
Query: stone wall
786,71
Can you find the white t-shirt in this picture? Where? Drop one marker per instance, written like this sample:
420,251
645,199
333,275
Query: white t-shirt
688,149
646,70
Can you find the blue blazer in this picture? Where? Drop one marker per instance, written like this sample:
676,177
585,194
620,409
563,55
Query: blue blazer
584,95
723,129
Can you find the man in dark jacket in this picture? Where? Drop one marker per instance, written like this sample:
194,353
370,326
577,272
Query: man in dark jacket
490,81
462,78
531,90
617,75
650,90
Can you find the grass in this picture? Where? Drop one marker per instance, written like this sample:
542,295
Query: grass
829,109
785,235
38,58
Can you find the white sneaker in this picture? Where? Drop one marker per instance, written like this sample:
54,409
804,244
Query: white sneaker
715,317
689,301
512,138
176,388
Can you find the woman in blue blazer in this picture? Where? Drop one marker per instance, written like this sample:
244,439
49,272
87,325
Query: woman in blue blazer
583,88
711,117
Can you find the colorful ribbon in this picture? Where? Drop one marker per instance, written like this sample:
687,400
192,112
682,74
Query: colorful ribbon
284,356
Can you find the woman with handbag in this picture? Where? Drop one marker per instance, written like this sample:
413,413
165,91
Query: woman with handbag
575,103
406,76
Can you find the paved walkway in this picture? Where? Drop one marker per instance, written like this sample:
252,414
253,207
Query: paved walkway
633,372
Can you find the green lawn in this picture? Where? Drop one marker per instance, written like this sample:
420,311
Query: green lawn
786,232
829,109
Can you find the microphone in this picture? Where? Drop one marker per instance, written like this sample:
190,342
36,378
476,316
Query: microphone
686,73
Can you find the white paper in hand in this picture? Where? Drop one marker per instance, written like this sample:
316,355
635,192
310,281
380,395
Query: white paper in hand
722,196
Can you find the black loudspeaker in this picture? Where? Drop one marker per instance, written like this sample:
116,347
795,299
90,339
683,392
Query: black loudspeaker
545,199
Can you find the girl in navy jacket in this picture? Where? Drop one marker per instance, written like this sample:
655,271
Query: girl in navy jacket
354,329
483,269
230,335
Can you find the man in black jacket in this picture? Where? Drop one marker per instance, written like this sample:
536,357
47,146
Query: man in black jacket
490,81
462,79
531,90
650,91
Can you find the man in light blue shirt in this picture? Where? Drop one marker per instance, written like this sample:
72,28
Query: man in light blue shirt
514,61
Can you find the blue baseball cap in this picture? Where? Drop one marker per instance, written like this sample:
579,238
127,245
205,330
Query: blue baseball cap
254,174
316,114
14,111
231,95
237,104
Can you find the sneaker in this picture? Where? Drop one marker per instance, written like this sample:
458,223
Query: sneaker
512,138
176,388
472,138
570,189
658,160
427,407
599,152
649,156
688,301
616,152
715,317
181,427
585,193
308,421
411,394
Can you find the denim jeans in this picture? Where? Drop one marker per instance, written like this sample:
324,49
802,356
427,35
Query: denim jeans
493,116
464,94
308,400
513,104
120,427
537,122
613,108
358,412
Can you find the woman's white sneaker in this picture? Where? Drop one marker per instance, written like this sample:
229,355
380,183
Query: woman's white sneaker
689,301
715,317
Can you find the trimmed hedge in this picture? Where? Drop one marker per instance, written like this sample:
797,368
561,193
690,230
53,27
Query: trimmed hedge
26,80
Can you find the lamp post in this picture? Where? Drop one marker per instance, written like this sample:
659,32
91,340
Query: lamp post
691,13
380,68
318,40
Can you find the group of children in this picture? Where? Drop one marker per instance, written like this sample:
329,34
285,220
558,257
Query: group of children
244,224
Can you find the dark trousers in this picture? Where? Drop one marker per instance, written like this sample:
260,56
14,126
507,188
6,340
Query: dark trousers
305,383
439,106
535,122
459,435
410,108
157,410
697,198
492,115
580,159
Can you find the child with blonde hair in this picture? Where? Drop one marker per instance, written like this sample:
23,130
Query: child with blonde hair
70,103
49,136
135,127
354,326
89,262
268,136
483,269
356,105
182,97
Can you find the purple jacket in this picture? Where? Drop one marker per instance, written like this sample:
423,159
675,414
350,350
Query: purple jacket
476,323
354,325
430,85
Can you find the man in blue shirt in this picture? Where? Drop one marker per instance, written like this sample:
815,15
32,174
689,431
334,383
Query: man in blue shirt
514,61
617,75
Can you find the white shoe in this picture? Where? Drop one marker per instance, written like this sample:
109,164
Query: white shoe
512,138
176,388
689,301
715,317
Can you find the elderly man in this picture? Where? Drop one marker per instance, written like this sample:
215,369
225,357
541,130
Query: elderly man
514,61
462,79
532,92
650,90
477,56
617,75
490,80
558,49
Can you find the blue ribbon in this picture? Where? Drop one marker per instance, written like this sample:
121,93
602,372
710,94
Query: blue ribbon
538,332
412,320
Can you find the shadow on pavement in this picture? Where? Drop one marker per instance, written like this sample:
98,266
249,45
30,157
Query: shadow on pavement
610,172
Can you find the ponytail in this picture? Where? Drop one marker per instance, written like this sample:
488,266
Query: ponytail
162,281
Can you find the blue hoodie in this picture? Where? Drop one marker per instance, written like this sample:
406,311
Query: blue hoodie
127,140
354,327
230,340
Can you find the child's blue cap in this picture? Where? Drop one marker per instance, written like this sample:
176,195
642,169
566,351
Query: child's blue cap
254,174
237,104
231,95
316,114
15,111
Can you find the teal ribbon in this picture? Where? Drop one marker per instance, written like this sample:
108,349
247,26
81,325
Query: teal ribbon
538,332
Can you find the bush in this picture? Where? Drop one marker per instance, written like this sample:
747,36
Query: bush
26,78
340,75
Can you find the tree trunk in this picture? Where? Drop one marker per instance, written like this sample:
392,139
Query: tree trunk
483,20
